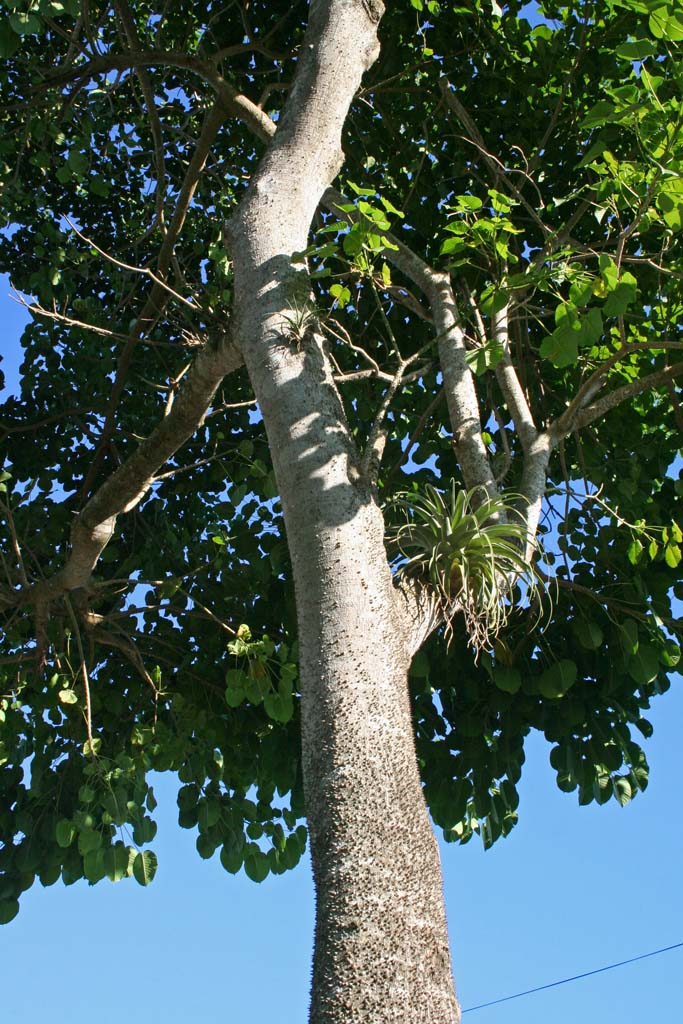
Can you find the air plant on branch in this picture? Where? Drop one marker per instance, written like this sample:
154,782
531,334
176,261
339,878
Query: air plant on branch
469,549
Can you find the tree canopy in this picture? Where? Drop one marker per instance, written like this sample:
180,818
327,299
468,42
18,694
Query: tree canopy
533,162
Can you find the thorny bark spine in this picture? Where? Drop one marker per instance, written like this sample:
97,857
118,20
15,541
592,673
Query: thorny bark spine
381,951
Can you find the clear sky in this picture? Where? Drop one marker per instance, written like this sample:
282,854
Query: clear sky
572,889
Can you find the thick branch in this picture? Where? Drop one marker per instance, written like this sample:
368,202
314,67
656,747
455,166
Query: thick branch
508,381
94,527
565,423
461,395
237,104
610,401
532,488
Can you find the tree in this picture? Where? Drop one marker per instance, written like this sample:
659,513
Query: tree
274,265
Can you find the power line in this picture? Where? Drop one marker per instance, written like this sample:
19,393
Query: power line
576,977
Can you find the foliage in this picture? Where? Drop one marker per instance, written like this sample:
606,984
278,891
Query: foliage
551,190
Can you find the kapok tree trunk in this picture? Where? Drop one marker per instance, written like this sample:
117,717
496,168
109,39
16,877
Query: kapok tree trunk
381,945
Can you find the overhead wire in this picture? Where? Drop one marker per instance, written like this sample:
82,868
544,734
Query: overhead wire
575,977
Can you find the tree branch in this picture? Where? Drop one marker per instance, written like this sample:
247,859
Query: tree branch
508,381
565,423
497,169
94,526
158,296
593,412
461,395
131,33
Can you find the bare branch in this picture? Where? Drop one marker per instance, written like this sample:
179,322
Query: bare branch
51,314
610,401
84,671
510,385
461,395
565,423
532,487
7,509
125,488
236,103
145,271
21,428
374,448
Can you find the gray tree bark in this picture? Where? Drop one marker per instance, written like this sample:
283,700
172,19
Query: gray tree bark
381,944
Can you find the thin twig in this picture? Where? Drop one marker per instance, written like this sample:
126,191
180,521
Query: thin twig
15,541
144,271
84,670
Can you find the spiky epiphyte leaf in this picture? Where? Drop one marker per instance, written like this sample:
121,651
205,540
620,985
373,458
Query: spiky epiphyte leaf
469,548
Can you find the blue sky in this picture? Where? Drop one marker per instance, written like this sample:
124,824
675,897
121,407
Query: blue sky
572,889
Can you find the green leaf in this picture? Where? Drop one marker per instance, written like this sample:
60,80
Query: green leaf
623,791
99,186
561,346
667,24
628,637
588,633
493,301
469,203
635,550
256,865
622,296
116,861
390,208
279,708
232,853
208,812
360,190
78,162
341,294
8,910
68,696
9,40
670,654
637,50
672,555
670,201
484,358
507,678
65,832
94,866
206,847
645,727
88,841
557,679
145,867
643,666
25,24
